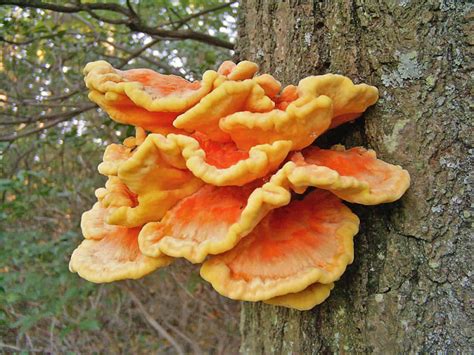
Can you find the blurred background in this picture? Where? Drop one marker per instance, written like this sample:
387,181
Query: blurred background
51,141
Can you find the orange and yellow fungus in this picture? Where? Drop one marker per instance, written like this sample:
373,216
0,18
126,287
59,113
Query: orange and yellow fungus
93,224
355,175
349,100
223,177
116,194
110,252
300,123
286,97
188,230
295,246
156,173
228,98
304,300
116,154
224,164
115,256
241,71
142,97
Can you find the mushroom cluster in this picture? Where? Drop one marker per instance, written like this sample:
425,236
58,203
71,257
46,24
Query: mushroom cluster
223,172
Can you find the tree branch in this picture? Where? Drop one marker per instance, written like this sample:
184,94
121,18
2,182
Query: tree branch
38,4
198,14
137,53
61,118
132,21
28,41
130,7
43,118
182,34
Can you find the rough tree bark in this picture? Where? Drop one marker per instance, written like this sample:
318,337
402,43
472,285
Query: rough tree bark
409,288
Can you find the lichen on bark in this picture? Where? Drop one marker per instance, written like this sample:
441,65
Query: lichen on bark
410,286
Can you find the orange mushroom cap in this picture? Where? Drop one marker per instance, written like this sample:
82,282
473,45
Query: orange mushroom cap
116,194
302,114
188,230
157,174
110,252
304,300
243,70
142,97
293,247
224,164
349,100
150,90
116,154
93,224
227,98
115,256
301,123
121,109
355,175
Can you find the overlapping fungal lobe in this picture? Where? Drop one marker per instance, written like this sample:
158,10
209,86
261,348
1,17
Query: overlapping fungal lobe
115,256
188,230
302,121
302,113
115,194
111,252
355,175
116,154
241,71
142,97
349,100
293,247
304,300
229,176
225,164
228,98
156,173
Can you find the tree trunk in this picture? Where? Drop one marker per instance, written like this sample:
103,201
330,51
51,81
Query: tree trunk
410,285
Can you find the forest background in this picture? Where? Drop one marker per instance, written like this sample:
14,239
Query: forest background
51,140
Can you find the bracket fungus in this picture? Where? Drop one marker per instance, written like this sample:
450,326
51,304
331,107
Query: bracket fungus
225,172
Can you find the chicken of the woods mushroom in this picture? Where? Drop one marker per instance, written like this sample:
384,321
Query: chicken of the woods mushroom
225,171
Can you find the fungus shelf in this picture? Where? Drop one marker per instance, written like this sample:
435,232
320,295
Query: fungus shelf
224,172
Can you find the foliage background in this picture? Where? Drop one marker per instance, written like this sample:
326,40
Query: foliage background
51,140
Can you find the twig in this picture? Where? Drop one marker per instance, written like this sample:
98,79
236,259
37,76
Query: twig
53,116
153,323
11,347
65,117
28,41
197,349
51,334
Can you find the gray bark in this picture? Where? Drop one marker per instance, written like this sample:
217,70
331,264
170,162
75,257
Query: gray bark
409,289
